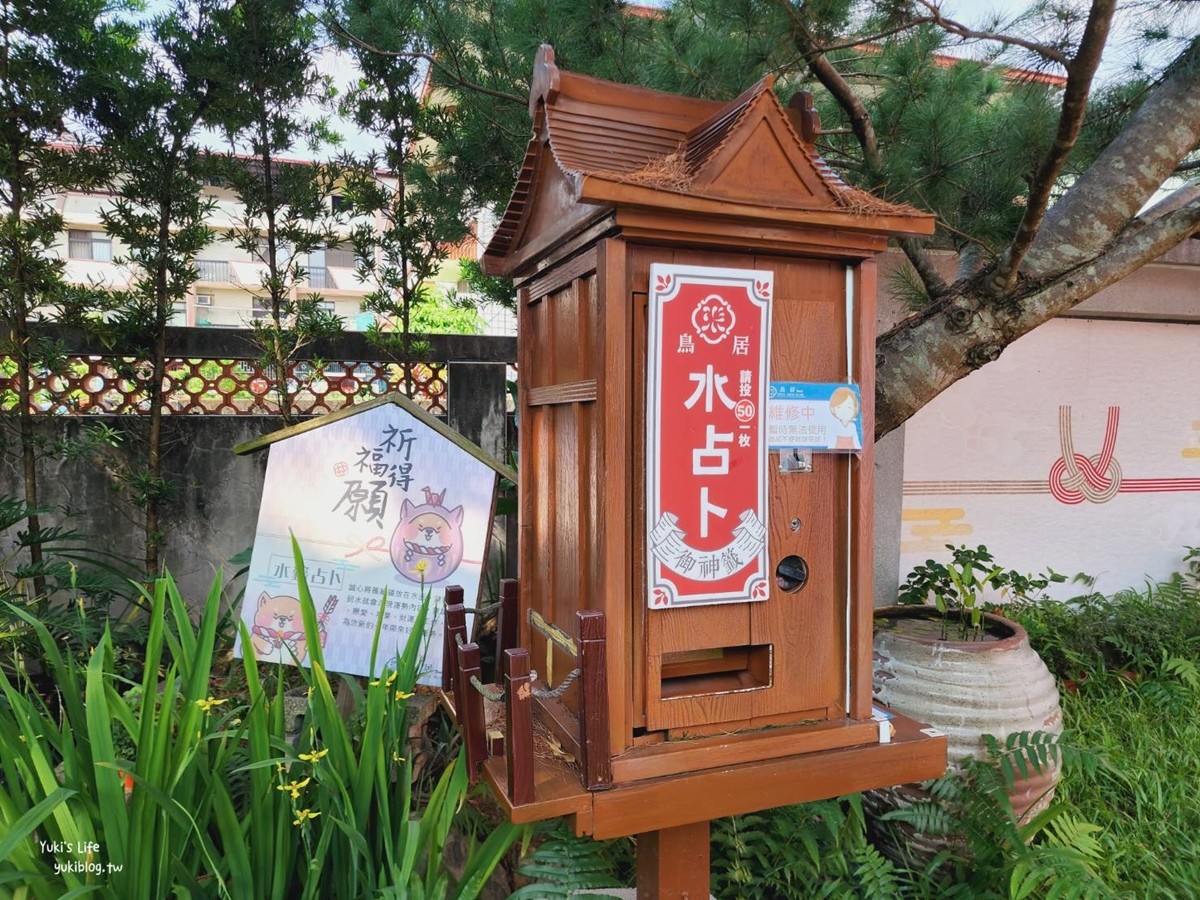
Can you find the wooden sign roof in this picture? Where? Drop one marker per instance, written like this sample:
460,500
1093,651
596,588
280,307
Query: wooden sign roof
599,145
393,399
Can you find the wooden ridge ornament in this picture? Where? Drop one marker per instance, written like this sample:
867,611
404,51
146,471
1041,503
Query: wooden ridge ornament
649,235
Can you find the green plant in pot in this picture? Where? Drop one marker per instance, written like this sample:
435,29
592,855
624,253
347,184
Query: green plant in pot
942,658
956,588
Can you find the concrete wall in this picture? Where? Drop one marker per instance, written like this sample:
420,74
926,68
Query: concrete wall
1167,293
213,509
212,512
210,516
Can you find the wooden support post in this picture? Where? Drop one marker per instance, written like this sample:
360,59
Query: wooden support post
673,864
456,637
454,597
470,717
518,732
593,701
506,624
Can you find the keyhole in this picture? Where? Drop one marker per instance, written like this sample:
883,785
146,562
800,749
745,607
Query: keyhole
791,574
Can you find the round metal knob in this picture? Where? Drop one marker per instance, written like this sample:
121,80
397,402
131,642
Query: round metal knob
791,573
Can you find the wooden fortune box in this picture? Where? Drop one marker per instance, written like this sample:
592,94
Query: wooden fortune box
695,596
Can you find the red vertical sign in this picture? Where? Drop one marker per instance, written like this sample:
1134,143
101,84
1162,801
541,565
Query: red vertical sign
706,451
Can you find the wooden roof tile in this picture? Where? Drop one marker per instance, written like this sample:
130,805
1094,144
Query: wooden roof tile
605,137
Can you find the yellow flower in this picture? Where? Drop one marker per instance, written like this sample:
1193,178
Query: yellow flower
207,705
391,679
303,815
313,756
294,786
420,567
403,695
396,757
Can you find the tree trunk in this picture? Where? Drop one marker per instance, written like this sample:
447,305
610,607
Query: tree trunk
924,354
158,374
20,343
19,310
279,359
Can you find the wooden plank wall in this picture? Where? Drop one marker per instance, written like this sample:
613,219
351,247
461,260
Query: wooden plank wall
561,464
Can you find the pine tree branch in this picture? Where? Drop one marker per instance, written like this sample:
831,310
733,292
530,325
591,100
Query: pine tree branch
832,81
1080,72
879,35
935,285
957,28
432,60
1185,195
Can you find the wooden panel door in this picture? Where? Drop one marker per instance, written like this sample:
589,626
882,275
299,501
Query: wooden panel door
730,666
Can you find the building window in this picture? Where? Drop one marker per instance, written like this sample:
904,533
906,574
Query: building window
260,307
326,306
318,277
262,250
95,245
342,257
340,203
178,313
204,299
212,270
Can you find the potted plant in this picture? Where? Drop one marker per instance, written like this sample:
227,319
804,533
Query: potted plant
941,658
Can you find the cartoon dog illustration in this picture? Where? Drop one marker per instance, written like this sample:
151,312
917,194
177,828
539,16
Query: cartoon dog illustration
278,630
427,545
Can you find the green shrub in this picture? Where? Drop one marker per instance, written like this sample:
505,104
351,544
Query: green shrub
212,800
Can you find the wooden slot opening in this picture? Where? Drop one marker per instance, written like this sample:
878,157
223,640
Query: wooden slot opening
718,670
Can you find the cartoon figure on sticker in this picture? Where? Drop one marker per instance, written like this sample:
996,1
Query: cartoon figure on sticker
427,544
278,630
844,405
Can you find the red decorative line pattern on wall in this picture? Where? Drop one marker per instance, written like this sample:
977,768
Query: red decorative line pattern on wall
1073,477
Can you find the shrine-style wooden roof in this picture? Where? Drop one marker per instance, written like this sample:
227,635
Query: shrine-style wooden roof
392,399
599,145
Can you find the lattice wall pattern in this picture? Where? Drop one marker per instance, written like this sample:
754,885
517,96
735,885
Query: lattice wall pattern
115,386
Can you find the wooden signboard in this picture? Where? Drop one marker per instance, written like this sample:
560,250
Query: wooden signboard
385,503
706,485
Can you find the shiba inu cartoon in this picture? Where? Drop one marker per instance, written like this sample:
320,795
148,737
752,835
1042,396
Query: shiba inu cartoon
427,545
278,631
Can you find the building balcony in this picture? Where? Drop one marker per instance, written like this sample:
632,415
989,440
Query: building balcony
319,278
213,270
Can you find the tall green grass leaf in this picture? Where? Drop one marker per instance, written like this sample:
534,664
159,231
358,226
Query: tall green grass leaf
308,610
110,791
485,859
21,829
233,842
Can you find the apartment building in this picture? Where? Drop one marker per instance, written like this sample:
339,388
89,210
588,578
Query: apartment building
229,291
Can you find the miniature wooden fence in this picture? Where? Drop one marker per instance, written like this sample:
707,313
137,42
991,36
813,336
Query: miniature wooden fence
462,682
